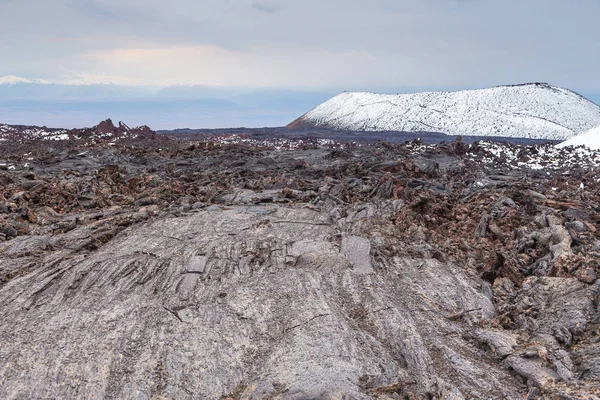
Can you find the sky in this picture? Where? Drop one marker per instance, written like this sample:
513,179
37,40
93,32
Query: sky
300,46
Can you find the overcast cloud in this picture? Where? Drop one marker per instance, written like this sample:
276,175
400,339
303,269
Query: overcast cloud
345,44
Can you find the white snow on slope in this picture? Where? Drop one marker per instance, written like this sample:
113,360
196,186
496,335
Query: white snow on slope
8,132
536,157
536,111
590,139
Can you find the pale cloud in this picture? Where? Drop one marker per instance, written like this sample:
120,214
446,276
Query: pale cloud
216,66
13,79
269,6
295,43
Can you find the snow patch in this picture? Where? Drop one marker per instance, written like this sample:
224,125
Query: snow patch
534,157
589,139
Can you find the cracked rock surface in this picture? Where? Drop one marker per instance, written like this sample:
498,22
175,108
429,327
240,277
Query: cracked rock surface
266,296
377,272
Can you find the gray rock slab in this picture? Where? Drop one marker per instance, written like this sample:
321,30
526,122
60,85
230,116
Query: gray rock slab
358,251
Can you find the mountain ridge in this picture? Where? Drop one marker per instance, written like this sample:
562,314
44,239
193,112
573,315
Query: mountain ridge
531,110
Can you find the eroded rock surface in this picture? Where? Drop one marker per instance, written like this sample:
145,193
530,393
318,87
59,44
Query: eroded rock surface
358,273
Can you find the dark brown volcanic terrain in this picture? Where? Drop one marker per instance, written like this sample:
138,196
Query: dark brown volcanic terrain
159,267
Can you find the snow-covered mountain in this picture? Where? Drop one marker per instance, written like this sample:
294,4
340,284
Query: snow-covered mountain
590,139
536,111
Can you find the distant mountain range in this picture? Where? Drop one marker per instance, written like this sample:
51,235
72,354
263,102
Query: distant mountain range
534,111
36,102
527,111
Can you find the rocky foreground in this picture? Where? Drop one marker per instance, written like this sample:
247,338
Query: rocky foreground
155,268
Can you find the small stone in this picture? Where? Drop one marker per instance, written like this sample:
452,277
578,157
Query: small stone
577,226
587,275
28,185
9,231
145,201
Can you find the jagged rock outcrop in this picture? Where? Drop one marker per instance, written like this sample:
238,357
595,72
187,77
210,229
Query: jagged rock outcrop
105,130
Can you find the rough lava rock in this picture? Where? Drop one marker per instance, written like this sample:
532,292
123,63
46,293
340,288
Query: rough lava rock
172,269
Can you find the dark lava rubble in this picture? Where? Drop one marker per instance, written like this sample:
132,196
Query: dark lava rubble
164,268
